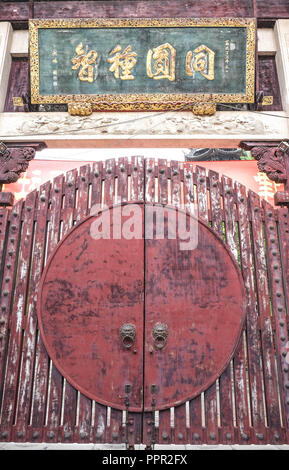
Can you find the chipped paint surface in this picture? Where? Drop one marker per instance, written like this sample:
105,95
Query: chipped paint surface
37,401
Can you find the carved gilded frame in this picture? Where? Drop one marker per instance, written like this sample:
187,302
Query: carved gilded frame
149,101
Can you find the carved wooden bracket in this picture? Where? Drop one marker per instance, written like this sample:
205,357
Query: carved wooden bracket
273,160
14,160
270,160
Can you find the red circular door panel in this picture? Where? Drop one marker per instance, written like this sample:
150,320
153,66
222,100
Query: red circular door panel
91,315
194,311
97,295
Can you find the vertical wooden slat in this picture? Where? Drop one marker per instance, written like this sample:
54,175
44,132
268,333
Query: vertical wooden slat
122,177
243,411
39,397
56,379
276,384
210,395
137,179
150,431
163,174
283,313
189,190
215,202
201,181
29,347
4,315
252,331
165,431
226,398
82,433
196,426
70,394
114,431
109,182
269,369
17,336
96,183
150,173
177,178
8,327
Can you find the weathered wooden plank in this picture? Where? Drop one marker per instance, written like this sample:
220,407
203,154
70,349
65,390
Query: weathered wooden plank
98,434
177,175
278,316
272,9
211,416
254,350
150,173
226,399
70,394
163,175
225,388
180,430
29,346
4,217
56,379
201,181
150,9
137,179
14,11
165,431
18,83
196,428
96,184
268,81
39,397
7,293
269,369
122,168
82,433
109,182
240,357
215,202
11,395
189,190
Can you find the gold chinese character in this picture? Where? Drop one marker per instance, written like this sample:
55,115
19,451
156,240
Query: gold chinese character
84,62
122,62
201,60
164,58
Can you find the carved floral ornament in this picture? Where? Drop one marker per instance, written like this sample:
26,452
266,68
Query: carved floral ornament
13,162
270,160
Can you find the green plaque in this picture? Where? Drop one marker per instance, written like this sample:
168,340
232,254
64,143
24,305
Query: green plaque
142,64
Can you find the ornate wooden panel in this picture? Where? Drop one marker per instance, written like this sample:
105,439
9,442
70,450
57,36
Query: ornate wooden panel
55,388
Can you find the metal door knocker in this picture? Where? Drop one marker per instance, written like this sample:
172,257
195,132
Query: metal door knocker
127,333
160,333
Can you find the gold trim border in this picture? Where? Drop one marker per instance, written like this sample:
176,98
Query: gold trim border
148,101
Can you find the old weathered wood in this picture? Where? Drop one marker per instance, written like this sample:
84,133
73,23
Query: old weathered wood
18,84
268,366
19,11
249,401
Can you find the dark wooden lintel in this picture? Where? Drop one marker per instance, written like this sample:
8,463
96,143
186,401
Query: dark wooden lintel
268,10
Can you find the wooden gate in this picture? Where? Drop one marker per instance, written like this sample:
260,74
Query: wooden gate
91,353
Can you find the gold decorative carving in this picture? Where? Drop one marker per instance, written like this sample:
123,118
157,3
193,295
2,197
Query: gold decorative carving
150,101
204,109
267,101
17,101
79,109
